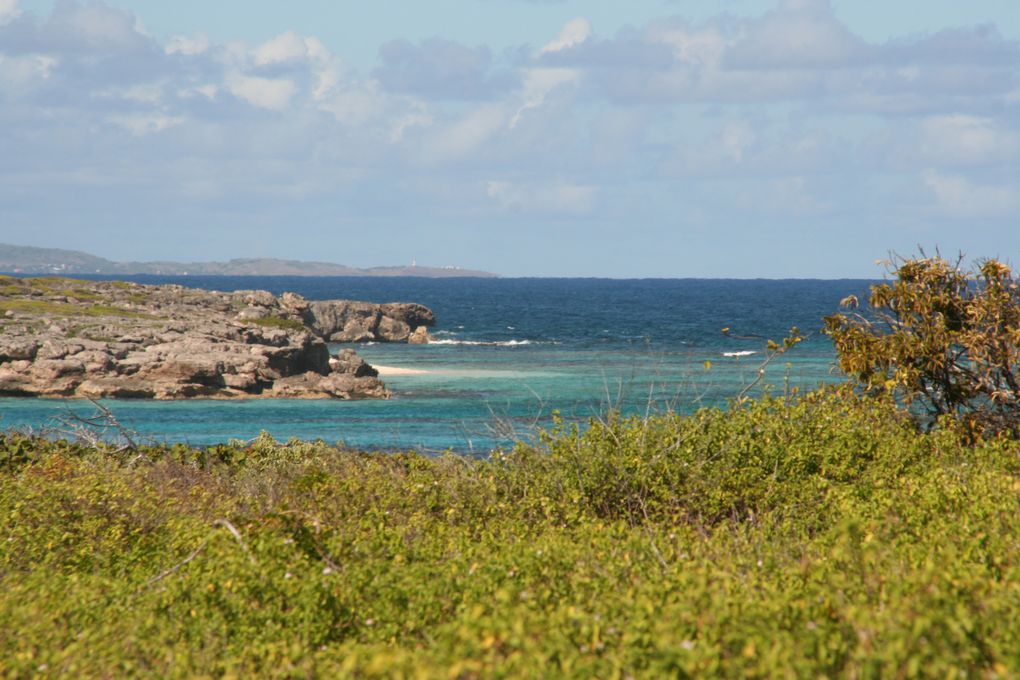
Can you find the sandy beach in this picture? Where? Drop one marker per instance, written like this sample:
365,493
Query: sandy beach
397,370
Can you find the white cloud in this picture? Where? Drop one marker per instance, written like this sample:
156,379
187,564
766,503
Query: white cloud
286,47
959,139
95,27
538,83
145,124
295,51
555,199
209,91
959,197
801,34
703,47
187,46
466,135
145,93
23,71
356,104
417,117
274,94
575,32
627,129
8,11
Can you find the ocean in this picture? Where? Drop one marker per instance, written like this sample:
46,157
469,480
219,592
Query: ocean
511,352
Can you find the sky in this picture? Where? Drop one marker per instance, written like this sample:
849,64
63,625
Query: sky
648,138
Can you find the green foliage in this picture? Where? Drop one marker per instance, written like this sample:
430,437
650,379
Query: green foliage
942,339
51,282
279,322
822,537
68,309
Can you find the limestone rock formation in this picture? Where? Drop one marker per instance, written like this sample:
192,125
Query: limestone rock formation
420,336
68,338
347,321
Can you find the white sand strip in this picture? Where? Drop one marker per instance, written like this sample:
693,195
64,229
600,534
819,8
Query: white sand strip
397,370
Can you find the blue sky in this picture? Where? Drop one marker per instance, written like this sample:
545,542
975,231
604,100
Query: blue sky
735,138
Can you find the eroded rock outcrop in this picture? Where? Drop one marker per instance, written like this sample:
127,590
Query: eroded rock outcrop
67,338
348,321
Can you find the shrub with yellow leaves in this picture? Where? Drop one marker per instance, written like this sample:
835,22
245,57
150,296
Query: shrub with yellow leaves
944,340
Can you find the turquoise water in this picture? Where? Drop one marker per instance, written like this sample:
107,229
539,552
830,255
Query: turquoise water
511,351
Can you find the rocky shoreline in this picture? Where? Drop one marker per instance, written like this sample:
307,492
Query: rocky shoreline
69,338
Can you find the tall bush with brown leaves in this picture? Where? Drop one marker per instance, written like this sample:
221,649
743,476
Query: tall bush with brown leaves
942,339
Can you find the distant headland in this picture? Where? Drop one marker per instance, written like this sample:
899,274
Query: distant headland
30,260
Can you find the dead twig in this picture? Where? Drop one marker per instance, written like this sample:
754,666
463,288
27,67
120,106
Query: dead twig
93,430
174,569
226,524
237,535
772,351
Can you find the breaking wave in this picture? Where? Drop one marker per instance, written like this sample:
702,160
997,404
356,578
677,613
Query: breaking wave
484,343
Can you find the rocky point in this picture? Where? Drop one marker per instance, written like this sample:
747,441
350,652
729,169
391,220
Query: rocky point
71,338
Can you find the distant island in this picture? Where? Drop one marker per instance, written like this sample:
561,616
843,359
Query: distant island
30,260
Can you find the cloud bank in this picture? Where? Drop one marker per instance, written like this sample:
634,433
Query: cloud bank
785,130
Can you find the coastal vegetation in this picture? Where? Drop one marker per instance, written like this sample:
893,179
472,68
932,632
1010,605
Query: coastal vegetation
835,533
823,536
278,322
939,338
68,309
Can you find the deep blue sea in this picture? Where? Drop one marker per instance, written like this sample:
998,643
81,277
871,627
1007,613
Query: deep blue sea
509,353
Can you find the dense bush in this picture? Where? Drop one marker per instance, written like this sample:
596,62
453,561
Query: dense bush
824,537
942,339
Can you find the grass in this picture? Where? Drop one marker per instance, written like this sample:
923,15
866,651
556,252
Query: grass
11,289
279,322
78,294
822,537
50,282
68,309
18,291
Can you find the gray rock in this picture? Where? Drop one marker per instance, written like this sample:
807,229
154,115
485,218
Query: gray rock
15,348
168,342
253,312
348,321
420,336
261,298
348,362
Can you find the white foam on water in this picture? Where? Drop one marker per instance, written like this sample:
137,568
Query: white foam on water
460,373
483,343
741,353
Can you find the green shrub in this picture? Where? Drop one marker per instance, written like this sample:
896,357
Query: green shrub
822,537
941,339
